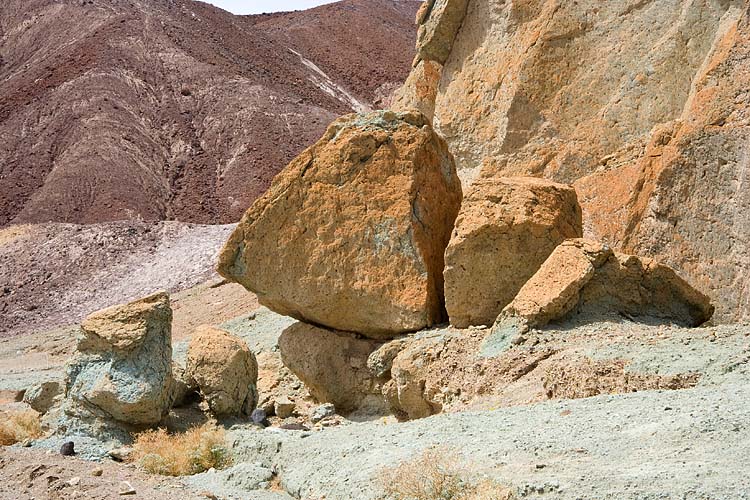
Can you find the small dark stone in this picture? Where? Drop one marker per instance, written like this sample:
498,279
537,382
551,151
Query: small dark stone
68,449
259,417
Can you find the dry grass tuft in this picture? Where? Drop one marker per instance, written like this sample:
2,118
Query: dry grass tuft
16,427
435,475
197,450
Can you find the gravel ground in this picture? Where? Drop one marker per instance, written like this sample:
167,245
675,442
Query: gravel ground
28,474
53,275
686,444
689,444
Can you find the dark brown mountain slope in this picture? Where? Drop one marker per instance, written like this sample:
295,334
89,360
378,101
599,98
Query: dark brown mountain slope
374,54
174,109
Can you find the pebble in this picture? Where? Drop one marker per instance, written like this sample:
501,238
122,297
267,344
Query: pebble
73,481
97,472
68,449
323,411
259,417
120,454
126,488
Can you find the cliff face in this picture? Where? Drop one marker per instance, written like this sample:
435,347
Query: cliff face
642,105
173,109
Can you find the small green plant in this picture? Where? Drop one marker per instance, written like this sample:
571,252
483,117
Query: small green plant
435,475
197,450
16,427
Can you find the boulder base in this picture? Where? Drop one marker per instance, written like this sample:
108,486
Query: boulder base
333,366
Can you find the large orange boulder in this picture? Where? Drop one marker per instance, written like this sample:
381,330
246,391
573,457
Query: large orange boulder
506,229
351,235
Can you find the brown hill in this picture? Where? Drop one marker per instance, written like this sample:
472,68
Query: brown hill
174,109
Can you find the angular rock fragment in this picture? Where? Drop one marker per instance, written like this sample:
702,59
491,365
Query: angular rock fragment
122,369
42,396
505,230
351,234
439,21
322,412
283,407
333,366
224,370
587,277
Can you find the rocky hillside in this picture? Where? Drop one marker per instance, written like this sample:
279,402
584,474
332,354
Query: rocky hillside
642,106
174,109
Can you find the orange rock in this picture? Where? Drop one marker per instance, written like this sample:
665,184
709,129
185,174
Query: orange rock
351,234
586,277
654,136
225,371
505,230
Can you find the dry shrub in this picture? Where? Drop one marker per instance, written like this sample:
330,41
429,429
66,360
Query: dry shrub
197,450
436,475
16,427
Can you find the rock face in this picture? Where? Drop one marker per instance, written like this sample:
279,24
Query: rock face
352,233
123,366
654,136
505,230
439,21
587,277
333,366
224,370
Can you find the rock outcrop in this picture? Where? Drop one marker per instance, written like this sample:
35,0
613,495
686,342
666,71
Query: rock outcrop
505,230
445,370
654,136
352,233
224,370
122,369
333,366
587,277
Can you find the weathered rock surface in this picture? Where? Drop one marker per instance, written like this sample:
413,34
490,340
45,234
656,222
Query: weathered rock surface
333,366
122,369
446,370
352,233
587,277
439,21
42,396
420,89
224,370
693,210
654,136
505,230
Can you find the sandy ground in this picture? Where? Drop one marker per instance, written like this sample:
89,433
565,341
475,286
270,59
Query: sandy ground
28,474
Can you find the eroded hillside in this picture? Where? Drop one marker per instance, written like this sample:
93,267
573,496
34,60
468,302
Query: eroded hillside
175,109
